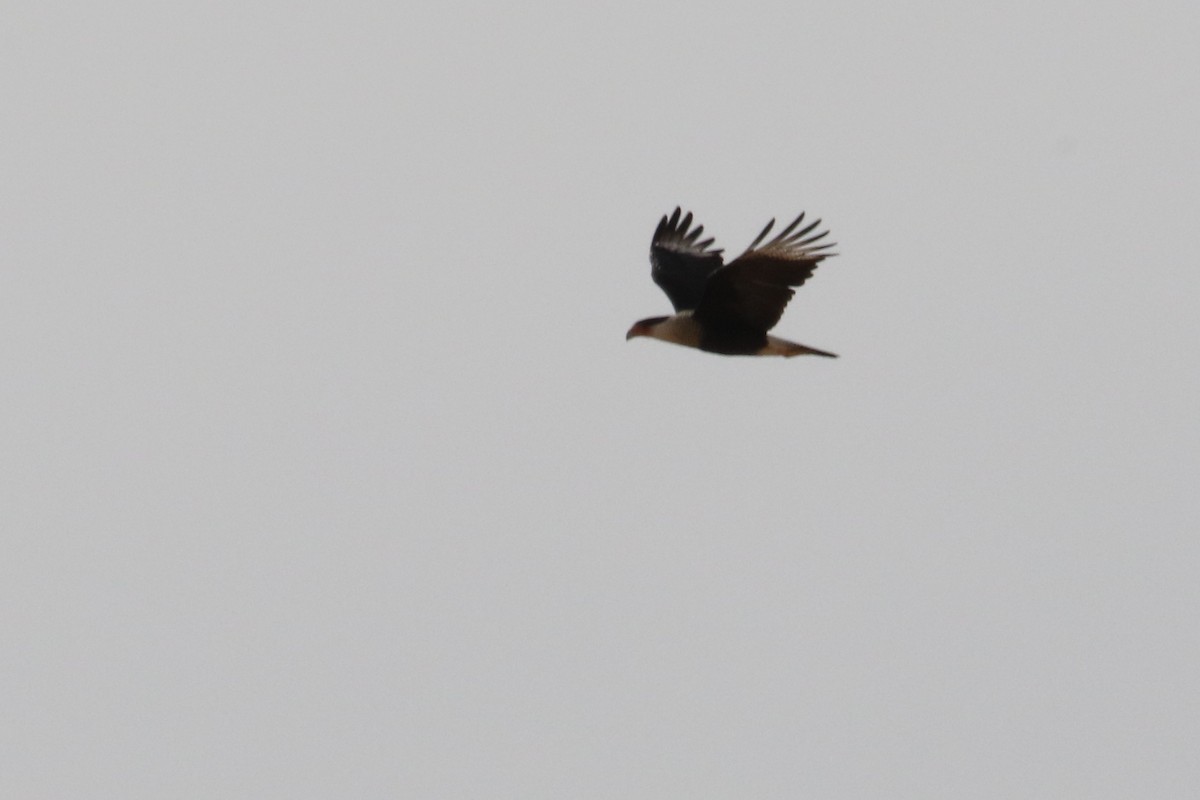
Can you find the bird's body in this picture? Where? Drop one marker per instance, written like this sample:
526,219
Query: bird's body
729,308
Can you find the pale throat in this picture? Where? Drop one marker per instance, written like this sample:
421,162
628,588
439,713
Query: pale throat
679,329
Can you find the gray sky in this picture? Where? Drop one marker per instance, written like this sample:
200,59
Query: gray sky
327,471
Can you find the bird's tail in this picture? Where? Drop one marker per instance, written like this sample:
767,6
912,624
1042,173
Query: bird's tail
783,347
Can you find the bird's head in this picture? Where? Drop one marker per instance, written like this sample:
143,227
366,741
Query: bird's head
644,327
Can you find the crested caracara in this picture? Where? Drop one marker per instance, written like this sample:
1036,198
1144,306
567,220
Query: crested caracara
728,308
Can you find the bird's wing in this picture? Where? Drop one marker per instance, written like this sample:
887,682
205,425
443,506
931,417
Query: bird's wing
680,264
753,289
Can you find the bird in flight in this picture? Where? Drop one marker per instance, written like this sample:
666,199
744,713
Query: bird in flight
728,308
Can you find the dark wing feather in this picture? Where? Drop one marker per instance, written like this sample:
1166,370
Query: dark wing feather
680,264
753,290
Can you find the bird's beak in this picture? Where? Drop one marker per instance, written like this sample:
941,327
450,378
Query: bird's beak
634,332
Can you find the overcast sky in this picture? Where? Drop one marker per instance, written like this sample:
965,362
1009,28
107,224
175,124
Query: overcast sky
326,470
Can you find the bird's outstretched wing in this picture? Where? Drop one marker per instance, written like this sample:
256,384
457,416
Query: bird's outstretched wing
753,289
680,264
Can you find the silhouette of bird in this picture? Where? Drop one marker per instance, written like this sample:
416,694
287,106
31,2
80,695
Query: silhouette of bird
728,308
